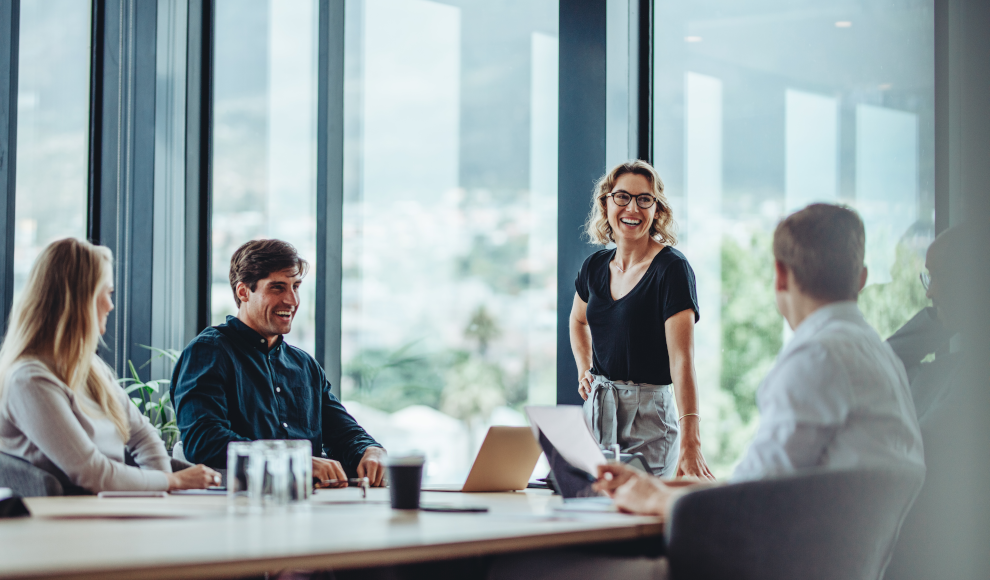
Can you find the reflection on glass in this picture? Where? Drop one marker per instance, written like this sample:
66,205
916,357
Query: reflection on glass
264,141
52,127
760,112
449,259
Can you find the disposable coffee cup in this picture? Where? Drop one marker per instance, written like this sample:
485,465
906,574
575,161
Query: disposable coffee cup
405,476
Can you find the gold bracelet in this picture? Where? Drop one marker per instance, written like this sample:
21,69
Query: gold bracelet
688,415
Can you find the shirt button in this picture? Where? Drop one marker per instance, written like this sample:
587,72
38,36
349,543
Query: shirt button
286,425
278,389
262,341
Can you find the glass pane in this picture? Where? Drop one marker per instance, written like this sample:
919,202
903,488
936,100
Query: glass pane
450,221
762,109
264,141
52,127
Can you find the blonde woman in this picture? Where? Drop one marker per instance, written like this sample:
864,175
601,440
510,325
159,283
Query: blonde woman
60,407
632,326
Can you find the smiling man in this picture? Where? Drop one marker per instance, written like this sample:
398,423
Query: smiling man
240,381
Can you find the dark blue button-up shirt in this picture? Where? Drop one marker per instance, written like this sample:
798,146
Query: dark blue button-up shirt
229,386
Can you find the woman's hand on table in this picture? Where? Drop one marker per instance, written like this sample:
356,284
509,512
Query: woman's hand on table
195,477
691,464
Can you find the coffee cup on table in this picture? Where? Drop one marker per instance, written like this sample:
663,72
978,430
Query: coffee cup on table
405,476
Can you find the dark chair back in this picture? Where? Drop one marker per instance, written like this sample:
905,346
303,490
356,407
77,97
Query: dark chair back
25,479
838,525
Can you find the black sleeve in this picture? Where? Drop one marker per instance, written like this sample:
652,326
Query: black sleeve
343,439
677,290
200,403
581,282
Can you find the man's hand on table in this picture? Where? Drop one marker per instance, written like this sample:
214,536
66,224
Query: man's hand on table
372,466
324,469
632,490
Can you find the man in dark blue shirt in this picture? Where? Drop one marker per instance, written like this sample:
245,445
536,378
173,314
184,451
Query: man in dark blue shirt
240,381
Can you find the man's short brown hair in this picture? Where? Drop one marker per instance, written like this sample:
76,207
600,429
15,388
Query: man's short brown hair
824,246
258,259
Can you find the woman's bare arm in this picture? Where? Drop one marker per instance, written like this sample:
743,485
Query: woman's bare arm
581,344
679,330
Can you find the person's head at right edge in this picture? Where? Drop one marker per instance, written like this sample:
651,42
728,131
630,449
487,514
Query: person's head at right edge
819,259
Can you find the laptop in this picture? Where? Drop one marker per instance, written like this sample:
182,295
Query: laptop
505,461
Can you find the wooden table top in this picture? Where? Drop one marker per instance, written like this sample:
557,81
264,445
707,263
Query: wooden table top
195,537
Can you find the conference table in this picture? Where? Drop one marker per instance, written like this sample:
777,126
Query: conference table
194,536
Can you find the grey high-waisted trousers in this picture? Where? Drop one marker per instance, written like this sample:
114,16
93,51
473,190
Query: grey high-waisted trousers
641,418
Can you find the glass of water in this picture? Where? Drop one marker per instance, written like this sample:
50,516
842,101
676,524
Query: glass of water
300,470
239,454
268,474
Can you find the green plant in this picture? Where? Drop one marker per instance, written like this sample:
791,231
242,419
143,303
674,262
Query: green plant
159,411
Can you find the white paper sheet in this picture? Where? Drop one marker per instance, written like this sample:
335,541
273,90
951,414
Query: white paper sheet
564,426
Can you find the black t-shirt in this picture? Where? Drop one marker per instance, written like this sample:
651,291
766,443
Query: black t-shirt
627,335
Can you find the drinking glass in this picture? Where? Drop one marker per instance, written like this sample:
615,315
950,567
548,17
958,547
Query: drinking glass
300,470
239,454
268,474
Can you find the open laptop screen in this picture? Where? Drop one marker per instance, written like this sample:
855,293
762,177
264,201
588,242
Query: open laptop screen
571,481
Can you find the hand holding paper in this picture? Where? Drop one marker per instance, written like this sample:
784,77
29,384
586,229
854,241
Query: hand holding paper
566,429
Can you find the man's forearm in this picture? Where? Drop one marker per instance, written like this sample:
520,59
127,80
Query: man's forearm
208,445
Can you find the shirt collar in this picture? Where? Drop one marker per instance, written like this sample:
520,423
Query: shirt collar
845,310
251,336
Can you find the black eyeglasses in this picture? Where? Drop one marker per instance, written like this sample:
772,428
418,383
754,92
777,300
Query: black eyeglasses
622,199
926,280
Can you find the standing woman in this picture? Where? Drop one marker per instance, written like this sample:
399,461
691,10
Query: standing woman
60,408
632,326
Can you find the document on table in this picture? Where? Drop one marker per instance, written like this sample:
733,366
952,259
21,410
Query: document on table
567,431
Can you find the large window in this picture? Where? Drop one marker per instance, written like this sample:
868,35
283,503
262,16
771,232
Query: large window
264,141
52,127
450,222
761,110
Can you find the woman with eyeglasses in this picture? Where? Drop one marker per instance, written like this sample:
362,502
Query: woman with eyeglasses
60,408
632,327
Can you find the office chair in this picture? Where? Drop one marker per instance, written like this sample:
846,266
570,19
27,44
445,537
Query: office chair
826,525
25,479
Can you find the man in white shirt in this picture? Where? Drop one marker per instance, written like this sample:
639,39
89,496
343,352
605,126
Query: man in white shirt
837,396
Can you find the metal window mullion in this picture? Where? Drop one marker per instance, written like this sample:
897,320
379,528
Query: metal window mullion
329,188
168,275
199,115
644,101
9,39
122,168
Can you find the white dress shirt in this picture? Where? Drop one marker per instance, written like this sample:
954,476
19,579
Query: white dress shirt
837,397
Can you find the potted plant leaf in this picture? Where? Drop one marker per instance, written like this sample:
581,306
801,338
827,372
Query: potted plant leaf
158,410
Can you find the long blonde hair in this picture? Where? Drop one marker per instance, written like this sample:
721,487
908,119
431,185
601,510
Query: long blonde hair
597,227
55,320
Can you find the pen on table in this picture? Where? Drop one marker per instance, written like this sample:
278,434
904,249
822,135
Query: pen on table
355,481
363,482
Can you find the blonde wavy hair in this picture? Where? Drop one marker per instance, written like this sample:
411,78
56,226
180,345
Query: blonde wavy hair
55,320
597,227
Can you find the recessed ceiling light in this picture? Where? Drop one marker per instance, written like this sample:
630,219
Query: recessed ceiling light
885,86
692,39
843,24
